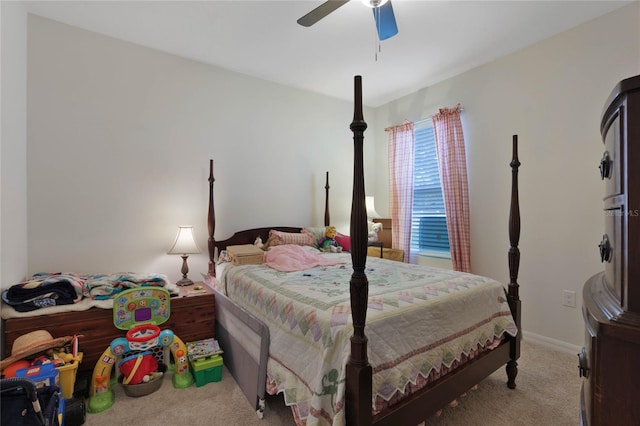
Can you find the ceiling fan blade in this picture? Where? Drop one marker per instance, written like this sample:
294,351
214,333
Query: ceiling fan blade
320,12
385,21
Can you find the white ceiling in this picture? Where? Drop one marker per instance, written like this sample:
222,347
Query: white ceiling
436,39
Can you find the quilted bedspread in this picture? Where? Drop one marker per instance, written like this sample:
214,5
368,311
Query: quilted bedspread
421,321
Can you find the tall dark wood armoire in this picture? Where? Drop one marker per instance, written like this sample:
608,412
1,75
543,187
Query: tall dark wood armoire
610,360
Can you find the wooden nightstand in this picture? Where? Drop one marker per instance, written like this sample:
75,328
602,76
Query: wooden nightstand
193,315
192,318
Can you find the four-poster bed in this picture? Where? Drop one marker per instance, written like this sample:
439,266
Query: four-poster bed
247,357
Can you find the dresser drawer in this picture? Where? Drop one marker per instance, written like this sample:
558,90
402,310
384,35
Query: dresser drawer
611,249
611,161
586,364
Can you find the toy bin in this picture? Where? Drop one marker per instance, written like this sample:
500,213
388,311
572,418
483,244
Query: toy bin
68,375
207,370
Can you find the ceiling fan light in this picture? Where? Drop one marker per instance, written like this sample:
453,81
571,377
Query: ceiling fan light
373,3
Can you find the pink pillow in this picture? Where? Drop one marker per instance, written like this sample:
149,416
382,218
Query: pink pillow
343,241
301,239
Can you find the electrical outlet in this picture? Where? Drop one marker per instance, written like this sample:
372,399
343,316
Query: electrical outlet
569,298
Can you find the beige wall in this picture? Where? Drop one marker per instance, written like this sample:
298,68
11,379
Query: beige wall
551,95
120,138
13,144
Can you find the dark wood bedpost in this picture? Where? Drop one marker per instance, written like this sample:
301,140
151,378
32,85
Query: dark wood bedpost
211,223
514,263
358,370
327,218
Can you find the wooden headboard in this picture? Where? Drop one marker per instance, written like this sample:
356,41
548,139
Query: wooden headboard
247,236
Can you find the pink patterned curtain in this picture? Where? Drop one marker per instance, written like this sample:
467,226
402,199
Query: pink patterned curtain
401,153
453,173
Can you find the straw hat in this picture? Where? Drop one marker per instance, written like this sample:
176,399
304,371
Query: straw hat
31,344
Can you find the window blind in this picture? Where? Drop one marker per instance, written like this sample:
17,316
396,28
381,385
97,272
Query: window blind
428,221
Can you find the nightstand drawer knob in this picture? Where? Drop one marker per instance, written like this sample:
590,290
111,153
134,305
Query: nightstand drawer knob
605,249
583,363
605,166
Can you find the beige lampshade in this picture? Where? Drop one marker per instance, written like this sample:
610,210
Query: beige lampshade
185,243
371,209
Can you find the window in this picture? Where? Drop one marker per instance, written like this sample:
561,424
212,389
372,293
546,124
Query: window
428,221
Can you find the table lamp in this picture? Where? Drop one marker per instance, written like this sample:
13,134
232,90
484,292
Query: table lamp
184,245
371,209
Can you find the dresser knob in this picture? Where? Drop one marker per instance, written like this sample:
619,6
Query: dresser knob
583,363
605,166
605,249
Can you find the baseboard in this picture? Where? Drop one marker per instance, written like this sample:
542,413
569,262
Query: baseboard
550,343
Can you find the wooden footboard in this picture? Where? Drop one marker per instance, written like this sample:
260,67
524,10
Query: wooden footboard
432,398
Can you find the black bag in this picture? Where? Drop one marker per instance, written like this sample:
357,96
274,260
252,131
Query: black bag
24,404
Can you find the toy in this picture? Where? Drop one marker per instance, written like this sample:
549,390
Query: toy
140,311
328,243
57,356
373,229
136,367
258,242
10,370
63,356
33,343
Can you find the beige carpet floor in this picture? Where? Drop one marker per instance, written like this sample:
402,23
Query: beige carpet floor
547,393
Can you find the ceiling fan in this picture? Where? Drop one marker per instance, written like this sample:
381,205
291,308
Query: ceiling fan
383,15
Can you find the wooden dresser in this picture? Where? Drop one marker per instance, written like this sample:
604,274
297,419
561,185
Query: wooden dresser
611,299
192,318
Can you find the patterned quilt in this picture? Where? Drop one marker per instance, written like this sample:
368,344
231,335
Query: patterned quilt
421,321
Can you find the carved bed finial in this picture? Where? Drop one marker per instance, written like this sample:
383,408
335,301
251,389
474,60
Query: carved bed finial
358,369
211,223
514,263
327,217
514,224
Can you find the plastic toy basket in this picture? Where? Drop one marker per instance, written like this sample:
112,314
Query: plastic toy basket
68,375
144,388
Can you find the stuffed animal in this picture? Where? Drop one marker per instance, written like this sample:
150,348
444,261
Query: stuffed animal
373,228
258,242
328,243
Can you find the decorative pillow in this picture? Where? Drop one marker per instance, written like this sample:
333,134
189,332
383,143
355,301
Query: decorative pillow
343,241
272,241
315,233
279,237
